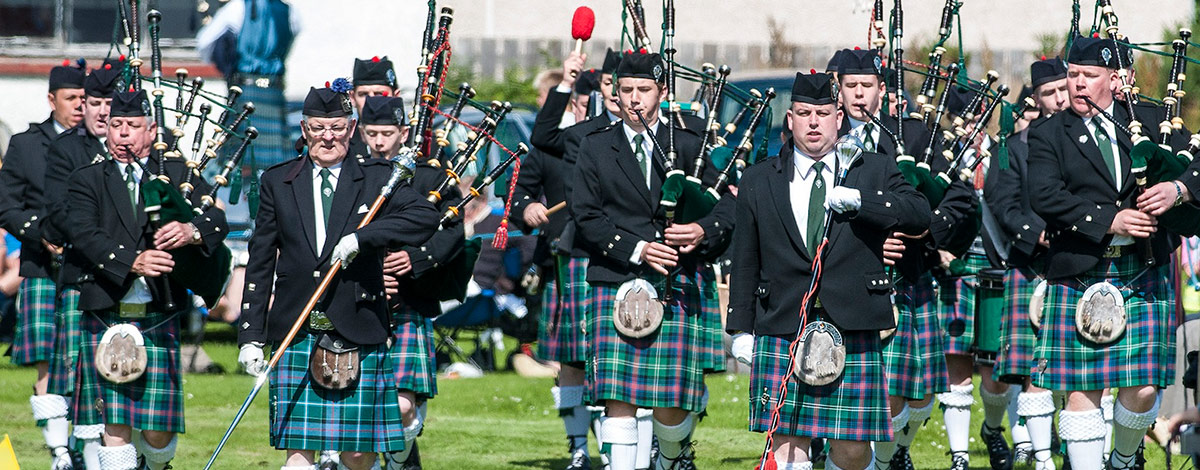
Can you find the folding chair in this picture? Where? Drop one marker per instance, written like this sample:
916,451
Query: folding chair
476,313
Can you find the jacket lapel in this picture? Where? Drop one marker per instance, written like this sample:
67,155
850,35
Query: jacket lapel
1078,132
1124,145
779,183
301,180
115,184
629,165
344,197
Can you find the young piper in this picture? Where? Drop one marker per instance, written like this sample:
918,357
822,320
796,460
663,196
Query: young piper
782,209
372,77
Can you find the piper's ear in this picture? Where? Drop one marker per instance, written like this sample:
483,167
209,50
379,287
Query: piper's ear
404,133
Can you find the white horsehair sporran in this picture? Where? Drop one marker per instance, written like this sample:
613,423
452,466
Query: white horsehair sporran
1100,315
821,355
885,334
121,354
637,312
1037,302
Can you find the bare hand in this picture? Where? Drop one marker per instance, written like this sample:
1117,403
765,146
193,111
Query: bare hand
686,236
660,257
391,286
1134,223
1043,241
1158,199
153,263
397,263
535,215
893,250
52,248
1188,416
945,258
173,235
571,68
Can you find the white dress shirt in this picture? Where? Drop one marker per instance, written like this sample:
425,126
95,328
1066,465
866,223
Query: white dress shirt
139,292
1111,130
859,129
648,147
801,186
318,211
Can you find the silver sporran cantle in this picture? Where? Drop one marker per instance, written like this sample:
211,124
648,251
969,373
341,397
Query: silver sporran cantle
1100,313
1037,302
121,354
821,354
637,312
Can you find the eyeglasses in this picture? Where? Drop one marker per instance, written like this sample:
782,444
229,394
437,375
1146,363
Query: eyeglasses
336,131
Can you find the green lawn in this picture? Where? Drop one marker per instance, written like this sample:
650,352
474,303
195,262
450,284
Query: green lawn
501,421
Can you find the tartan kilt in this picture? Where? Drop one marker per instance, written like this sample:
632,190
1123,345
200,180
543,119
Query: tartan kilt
270,116
34,339
1015,360
901,353
412,354
713,344
67,337
1144,355
956,303
365,418
929,335
562,331
152,402
853,408
663,370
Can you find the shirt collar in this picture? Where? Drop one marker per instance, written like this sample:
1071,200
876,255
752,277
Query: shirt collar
629,133
804,162
336,169
855,123
1103,121
58,128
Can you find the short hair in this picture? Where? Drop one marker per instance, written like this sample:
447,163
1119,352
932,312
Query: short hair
547,79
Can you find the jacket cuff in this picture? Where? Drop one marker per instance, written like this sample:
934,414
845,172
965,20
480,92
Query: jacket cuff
1095,223
876,209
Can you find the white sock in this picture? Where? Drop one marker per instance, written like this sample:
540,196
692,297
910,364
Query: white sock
957,416
53,410
395,459
156,458
916,419
1128,430
620,436
1038,411
885,449
672,439
994,406
569,401
645,437
1106,405
597,414
1083,431
797,465
1020,431
118,457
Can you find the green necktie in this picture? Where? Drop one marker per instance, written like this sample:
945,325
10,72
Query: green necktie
869,137
131,185
816,209
326,193
640,152
1105,146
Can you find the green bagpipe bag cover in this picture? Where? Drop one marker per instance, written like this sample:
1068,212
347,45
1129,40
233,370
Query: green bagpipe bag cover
201,272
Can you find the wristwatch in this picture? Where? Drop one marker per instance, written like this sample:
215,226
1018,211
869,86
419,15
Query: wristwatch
195,233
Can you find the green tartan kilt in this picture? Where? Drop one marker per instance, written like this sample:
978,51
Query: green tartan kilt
152,402
713,344
562,329
1144,355
412,354
67,337
956,304
365,418
853,408
662,370
901,351
33,340
929,336
1015,360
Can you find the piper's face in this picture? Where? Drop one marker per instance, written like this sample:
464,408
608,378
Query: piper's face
859,92
384,140
814,127
1051,97
640,95
328,138
611,102
362,92
95,115
1092,82
66,106
130,137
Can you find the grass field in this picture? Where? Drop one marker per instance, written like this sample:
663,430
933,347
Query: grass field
500,421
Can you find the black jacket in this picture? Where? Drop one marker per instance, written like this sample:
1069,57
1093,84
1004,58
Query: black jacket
614,210
772,268
106,232
21,195
443,246
1075,193
1008,195
70,151
284,258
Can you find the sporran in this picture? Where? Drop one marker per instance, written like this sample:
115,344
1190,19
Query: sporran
1100,315
637,312
121,354
820,355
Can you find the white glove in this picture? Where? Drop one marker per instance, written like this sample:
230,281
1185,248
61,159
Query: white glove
842,199
251,358
345,250
742,347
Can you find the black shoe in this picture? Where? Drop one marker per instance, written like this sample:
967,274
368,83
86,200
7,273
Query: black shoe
901,460
959,461
817,449
1138,460
998,454
580,461
685,461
